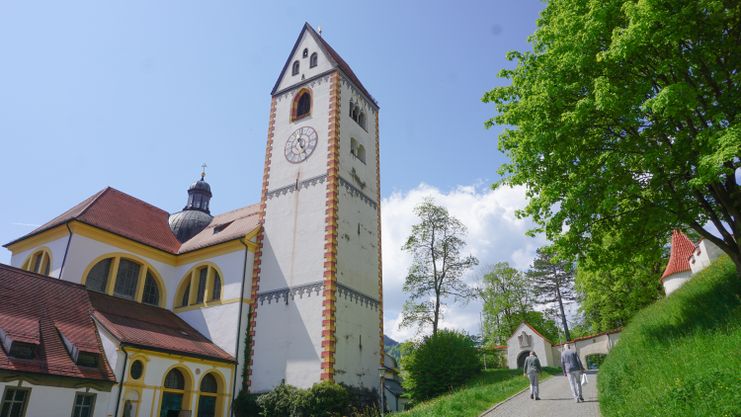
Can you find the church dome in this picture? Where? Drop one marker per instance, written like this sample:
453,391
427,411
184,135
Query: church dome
196,214
188,223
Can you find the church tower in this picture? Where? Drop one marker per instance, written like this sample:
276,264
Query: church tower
317,312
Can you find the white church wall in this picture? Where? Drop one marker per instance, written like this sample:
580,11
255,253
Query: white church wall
674,281
305,71
293,246
358,354
350,129
541,347
56,248
705,252
115,358
218,323
282,172
288,336
47,401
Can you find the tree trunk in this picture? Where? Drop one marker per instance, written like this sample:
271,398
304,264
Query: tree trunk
437,313
563,315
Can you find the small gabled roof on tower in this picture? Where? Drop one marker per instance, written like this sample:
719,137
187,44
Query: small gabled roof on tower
330,52
679,258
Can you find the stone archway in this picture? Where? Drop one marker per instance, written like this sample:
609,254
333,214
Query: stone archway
521,358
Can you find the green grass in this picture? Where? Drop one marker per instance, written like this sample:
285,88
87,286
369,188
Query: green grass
476,396
682,355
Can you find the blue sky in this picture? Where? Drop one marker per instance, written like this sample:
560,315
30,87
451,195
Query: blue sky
137,94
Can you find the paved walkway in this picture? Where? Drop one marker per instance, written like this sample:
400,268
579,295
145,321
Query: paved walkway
555,401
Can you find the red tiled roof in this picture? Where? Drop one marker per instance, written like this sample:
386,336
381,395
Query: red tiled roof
682,248
152,327
36,309
122,214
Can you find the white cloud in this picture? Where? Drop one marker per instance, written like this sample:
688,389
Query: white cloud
495,234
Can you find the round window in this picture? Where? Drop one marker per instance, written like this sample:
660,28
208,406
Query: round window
136,369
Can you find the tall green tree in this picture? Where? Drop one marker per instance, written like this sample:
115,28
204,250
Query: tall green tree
505,297
610,294
552,282
435,244
624,118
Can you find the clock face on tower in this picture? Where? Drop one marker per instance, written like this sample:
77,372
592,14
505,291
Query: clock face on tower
300,144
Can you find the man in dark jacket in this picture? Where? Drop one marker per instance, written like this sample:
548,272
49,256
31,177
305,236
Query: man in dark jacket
531,370
572,369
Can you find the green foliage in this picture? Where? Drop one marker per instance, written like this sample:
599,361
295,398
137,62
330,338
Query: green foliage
283,401
552,281
245,405
543,325
435,244
476,396
610,294
324,399
440,363
680,356
327,399
624,120
506,300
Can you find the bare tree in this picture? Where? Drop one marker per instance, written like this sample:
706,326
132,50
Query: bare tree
437,265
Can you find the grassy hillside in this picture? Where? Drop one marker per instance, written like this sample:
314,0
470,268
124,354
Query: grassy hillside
477,396
682,355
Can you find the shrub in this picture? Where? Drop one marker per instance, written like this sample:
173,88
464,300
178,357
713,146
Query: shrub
440,363
327,399
283,401
245,405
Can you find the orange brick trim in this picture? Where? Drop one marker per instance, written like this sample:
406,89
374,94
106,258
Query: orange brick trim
329,308
258,252
380,263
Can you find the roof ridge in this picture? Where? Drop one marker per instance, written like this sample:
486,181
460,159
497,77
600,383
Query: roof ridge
95,198
237,209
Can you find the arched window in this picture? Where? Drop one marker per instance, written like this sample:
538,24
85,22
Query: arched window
355,112
354,147
352,108
295,68
200,286
39,262
125,277
313,60
301,105
361,119
361,153
306,53
208,397
173,393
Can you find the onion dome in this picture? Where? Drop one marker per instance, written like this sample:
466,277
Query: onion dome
196,215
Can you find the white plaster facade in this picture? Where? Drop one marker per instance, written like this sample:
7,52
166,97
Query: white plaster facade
525,339
674,281
704,254
49,401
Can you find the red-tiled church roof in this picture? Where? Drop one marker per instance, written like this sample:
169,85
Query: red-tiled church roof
682,248
152,327
40,310
122,214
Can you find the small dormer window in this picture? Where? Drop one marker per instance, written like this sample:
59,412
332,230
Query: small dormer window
313,61
22,350
295,68
39,262
306,53
88,359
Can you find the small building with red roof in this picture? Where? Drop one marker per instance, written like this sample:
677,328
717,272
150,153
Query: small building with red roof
686,259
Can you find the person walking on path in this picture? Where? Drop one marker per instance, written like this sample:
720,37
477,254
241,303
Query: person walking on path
531,370
572,369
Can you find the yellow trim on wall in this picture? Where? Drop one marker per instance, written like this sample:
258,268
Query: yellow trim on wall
44,263
110,284
221,393
159,255
181,358
44,237
214,303
191,278
187,392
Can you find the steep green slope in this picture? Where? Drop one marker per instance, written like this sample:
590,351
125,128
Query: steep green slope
682,355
